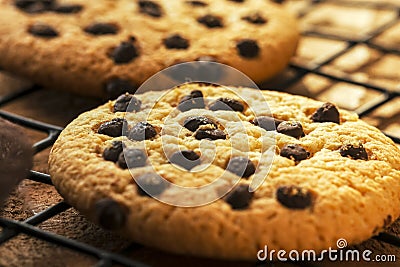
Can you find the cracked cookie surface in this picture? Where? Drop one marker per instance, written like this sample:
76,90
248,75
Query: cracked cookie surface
333,177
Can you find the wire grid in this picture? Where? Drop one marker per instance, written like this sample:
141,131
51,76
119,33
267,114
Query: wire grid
12,228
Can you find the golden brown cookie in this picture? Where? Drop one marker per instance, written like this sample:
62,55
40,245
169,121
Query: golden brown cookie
297,173
104,48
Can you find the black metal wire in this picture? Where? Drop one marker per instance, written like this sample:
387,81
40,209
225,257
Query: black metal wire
12,228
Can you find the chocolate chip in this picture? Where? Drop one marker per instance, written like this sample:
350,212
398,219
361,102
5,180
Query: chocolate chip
124,53
116,86
211,21
240,197
176,41
194,122
212,134
294,197
151,184
112,153
132,158
142,131
127,102
241,166
112,128
255,18
224,103
42,30
278,1
34,6
23,3
237,1
199,71
267,123
326,113
294,152
150,8
354,151
248,48
187,159
101,28
192,101
291,128
197,3
110,214
68,8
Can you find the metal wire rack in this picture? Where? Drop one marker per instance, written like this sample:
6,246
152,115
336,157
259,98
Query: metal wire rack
12,228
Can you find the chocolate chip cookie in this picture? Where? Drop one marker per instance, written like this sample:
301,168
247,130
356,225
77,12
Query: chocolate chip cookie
295,173
104,48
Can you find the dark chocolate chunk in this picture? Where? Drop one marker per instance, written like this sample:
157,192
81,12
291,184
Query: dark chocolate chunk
255,18
199,71
224,103
278,1
241,166
42,30
34,6
326,113
112,153
212,134
175,41
142,131
151,184
110,214
23,3
294,197
194,122
211,21
68,8
267,123
117,86
127,102
192,101
248,48
237,1
240,197
187,159
132,158
291,128
354,151
124,53
294,152
197,3
150,8
112,128
101,28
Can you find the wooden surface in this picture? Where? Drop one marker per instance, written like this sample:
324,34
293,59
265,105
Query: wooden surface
362,62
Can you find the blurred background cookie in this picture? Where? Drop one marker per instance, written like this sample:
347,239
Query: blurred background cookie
104,48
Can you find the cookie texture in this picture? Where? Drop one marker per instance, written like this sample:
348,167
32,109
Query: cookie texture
104,48
339,179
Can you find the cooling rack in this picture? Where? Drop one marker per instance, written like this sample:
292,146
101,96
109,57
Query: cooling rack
13,228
